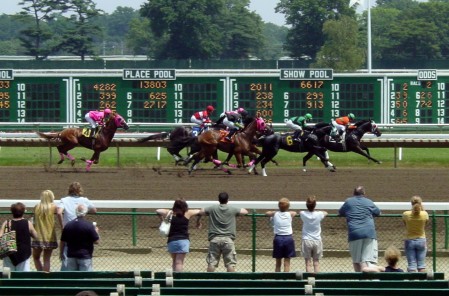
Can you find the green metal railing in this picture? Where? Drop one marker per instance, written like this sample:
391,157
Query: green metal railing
132,238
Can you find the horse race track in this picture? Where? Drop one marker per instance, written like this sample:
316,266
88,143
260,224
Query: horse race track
168,183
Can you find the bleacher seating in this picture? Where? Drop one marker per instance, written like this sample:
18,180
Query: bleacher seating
146,283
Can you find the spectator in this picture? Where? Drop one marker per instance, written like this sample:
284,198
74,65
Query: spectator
360,212
392,256
415,243
178,243
312,246
283,242
222,233
80,236
44,222
19,261
67,209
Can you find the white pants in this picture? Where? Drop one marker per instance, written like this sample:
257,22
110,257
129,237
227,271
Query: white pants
340,128
22,266
193,119
92,122
229,124
293,126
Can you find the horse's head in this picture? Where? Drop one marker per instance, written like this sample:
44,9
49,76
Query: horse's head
375,129
261,125
118,121
368,126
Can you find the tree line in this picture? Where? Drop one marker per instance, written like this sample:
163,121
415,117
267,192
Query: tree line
328,32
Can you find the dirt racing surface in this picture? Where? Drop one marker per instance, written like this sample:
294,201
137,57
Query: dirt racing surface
168,183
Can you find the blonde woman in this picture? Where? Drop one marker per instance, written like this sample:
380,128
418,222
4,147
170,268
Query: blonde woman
44,223
415,222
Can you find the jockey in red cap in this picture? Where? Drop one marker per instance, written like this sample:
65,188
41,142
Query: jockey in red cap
202,117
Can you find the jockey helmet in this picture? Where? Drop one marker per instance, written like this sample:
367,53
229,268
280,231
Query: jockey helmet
107,111
308,116
351,116
240,110
210,108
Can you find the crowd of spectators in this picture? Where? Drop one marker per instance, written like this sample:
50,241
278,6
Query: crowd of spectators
37,236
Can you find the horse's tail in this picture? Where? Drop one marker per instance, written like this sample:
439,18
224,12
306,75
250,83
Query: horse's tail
48,135
158,136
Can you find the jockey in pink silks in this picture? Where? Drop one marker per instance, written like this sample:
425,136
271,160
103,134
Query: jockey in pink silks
96,118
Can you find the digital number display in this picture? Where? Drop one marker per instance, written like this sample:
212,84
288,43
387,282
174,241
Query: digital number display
418,101
5,99
66,97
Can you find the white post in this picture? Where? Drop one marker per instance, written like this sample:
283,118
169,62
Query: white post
158,155
369,37
400,153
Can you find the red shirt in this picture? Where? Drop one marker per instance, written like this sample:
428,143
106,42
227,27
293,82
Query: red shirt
202,115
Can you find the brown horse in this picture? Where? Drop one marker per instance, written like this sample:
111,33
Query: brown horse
242,144
72,137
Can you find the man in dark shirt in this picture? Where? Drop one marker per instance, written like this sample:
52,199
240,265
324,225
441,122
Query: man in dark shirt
80,236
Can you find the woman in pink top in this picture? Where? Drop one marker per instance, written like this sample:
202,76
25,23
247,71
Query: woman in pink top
415,222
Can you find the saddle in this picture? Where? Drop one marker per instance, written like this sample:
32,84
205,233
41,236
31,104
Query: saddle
223,134
87,132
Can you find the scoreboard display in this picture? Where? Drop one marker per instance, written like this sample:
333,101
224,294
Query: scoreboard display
172,96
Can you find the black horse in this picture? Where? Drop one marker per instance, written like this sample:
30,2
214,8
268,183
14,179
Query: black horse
309,143
352,139
179,138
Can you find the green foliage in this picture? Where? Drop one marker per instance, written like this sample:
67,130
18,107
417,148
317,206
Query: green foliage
140,38
340,51
189,26
306,18
78,38
242,31
37,36
275,37
204,29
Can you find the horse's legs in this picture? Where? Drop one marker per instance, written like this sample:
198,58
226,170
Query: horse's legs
305,159
263,163
324,158
263,159
93,160
258,152
253,166
63,152
196,157
359,150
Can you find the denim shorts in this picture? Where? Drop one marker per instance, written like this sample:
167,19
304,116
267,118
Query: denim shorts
178,246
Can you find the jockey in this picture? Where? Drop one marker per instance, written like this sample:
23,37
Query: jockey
233,120
240,111
342,123
298,123
201,118
96,118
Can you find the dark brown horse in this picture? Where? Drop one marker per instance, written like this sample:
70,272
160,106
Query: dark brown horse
242,144
72,137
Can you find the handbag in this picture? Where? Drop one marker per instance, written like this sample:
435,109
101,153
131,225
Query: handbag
164,228
8,244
